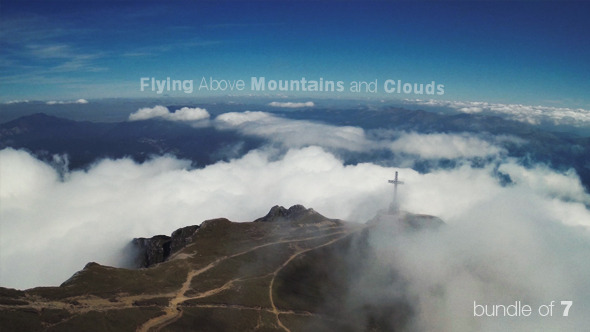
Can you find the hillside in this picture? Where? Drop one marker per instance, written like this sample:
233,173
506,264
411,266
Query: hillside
292,270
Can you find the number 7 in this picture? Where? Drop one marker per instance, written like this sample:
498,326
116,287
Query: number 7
567,305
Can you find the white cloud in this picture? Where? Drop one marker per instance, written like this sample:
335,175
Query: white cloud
501,245
16,102
183,114
300,133
450,193
92,214
234,119
189,114
502,250
524,113
149,113
542,179
471,109
296,133
292,104
51,51
450,146
65,102
20,173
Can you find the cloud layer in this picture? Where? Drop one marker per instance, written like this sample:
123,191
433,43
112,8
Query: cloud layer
449,146
91,215
292,104
295,133
162,112
301,133
524,113
16,101
119,199
65,102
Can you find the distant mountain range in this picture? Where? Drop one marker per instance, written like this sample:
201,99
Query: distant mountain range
292,269
86,142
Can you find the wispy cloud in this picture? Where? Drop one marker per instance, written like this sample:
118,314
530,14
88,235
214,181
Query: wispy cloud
167,46
50,51
66,58
137,54
16,101
296,133
411,145
524,113
65,102
29,28
162,112
290,104
40,51
448,146
239,25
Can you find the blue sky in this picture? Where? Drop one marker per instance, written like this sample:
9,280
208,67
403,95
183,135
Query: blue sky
507,52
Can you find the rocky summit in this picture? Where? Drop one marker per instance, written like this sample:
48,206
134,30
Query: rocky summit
291,270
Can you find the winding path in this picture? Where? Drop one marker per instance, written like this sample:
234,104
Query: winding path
173,312
275,310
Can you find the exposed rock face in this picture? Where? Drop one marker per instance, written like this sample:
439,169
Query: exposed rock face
294,214
158,248
182,237
153,250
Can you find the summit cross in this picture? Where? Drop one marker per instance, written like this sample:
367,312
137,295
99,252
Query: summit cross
394,206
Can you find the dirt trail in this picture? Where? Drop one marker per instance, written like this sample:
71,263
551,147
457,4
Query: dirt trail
172,312
275,310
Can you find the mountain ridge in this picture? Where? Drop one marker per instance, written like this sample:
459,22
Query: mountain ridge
285,272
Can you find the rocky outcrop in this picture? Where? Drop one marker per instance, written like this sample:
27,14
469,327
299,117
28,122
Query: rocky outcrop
152,250
158,248
181,238
295,214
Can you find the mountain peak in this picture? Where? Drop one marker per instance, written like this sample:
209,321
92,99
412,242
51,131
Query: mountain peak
295,214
